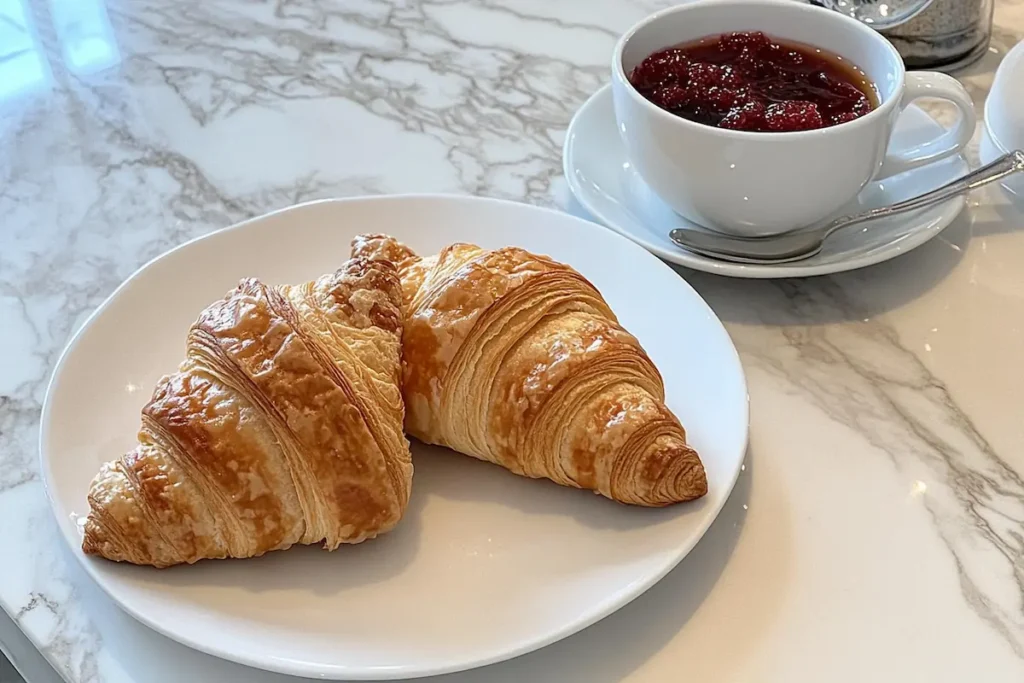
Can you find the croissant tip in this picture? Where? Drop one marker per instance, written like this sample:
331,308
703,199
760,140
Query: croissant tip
692,480
686,479
696,483
95,542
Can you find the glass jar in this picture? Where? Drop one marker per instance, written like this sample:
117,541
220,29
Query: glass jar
947,35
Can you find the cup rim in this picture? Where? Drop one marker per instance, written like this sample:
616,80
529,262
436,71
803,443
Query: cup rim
619,72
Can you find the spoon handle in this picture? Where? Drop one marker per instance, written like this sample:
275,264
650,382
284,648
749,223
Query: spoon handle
997,170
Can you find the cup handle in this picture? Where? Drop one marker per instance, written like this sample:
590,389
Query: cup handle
940,86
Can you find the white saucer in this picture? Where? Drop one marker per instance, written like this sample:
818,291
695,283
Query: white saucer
603,181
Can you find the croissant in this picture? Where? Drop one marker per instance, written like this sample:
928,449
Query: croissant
516,359
283,425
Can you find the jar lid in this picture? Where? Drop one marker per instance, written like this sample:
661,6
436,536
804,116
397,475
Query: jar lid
1004,108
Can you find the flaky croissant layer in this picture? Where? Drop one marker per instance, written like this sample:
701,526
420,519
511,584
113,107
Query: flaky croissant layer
283,425
516,359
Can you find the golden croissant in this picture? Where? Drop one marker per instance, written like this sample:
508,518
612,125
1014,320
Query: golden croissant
283,425
516,359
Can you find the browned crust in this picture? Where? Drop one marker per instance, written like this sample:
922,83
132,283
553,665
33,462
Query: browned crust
262,438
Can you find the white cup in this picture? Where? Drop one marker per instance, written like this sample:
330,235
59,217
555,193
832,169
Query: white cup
763,183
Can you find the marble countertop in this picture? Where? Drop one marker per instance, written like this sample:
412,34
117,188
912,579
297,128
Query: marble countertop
877,531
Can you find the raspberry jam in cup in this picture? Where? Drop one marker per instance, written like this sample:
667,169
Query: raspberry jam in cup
748,81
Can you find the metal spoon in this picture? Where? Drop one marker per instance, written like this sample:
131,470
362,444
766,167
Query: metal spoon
802,244
878,14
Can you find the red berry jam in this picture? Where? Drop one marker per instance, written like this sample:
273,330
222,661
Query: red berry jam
748,81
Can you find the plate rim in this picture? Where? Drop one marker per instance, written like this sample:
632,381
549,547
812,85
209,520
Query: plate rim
297,667
747,271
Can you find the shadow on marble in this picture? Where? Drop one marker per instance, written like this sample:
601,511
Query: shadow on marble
850,296
853,295
1007,217
607,652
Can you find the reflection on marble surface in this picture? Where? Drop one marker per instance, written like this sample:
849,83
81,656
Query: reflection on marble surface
23,66
880,524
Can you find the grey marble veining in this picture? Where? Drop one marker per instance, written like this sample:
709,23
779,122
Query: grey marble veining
861,375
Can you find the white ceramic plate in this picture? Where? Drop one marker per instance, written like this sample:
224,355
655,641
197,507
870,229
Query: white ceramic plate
606,185
486,565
